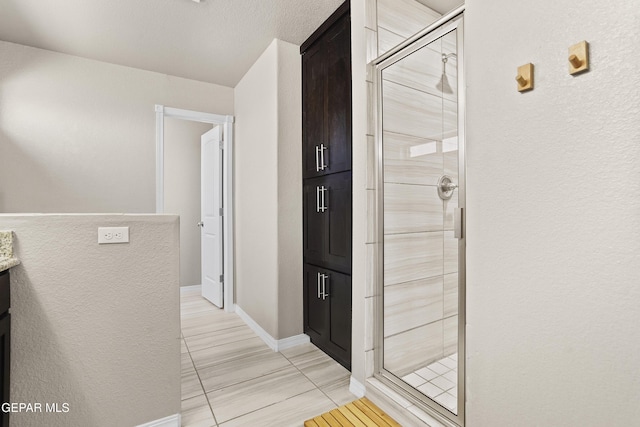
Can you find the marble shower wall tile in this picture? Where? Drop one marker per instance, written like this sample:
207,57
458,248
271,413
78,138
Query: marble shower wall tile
372,44
411,350
423,70
387,40
372,231
450,295
450,253
371,109
369,322
412,256
450,158
405,17
371,19
450,338
412,304
411,160
371,276
449,209
409,111
371,163
411,209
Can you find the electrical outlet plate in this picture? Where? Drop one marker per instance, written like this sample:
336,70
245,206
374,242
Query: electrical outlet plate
107,235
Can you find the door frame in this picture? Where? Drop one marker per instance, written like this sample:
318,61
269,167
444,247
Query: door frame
454,20
226,122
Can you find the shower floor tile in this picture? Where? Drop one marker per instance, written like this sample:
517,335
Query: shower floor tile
438,381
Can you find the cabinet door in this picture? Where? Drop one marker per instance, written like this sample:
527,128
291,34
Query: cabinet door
337,239
315,309
338,97
314,222
338,340
327,221
326,102
327,311
313,108
5,358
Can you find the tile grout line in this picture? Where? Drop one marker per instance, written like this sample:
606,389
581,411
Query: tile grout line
310,380
200,381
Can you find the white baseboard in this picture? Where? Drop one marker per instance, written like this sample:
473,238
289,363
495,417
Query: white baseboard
170,421
190,288
274,344
356,387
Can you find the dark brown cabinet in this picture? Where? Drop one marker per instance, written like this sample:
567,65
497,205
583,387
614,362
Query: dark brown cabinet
327,314
326,94
327,185
327,221
5,343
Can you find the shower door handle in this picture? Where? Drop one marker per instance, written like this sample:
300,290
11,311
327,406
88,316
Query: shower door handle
457,223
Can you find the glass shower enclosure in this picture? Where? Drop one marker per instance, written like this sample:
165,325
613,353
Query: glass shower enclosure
421,177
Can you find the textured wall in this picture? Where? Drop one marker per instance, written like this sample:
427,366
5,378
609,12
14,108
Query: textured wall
290,314
553,216
269,191
256,182
182,190
95,326
79,135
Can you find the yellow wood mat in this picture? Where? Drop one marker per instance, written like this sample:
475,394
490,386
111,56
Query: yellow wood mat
359,413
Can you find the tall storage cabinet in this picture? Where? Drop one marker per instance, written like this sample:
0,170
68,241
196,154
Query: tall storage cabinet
327,185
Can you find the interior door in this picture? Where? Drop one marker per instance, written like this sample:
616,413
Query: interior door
211,222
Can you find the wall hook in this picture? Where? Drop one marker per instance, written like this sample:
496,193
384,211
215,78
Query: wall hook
579,57
525,77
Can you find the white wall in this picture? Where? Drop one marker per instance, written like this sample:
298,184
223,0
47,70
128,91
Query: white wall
78,135
268,179
361,312
182,190
95,326
553,216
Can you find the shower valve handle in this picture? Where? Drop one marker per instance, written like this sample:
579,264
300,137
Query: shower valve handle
449,186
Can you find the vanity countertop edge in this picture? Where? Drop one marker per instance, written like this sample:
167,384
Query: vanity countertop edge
7,260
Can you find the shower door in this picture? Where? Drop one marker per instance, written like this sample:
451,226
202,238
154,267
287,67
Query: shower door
421,178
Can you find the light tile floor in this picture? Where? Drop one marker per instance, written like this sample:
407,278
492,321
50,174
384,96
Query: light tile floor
230,377
438,381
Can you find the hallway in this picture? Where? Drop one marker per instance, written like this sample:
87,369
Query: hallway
230,377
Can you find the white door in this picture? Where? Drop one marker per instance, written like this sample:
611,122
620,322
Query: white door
211,219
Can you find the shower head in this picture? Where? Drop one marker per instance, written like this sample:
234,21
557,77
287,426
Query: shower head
443,85
446,56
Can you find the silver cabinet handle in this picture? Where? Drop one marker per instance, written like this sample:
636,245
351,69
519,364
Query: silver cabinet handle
320,165
318,285
320,198
457,223
323,191
200,224
324,286
323,166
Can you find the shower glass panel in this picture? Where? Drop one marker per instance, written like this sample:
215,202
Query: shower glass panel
421,188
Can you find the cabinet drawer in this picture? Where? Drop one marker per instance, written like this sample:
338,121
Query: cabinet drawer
5,299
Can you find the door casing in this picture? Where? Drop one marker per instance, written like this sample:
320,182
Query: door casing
226,123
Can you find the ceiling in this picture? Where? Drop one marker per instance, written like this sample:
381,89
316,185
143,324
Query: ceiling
214,41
